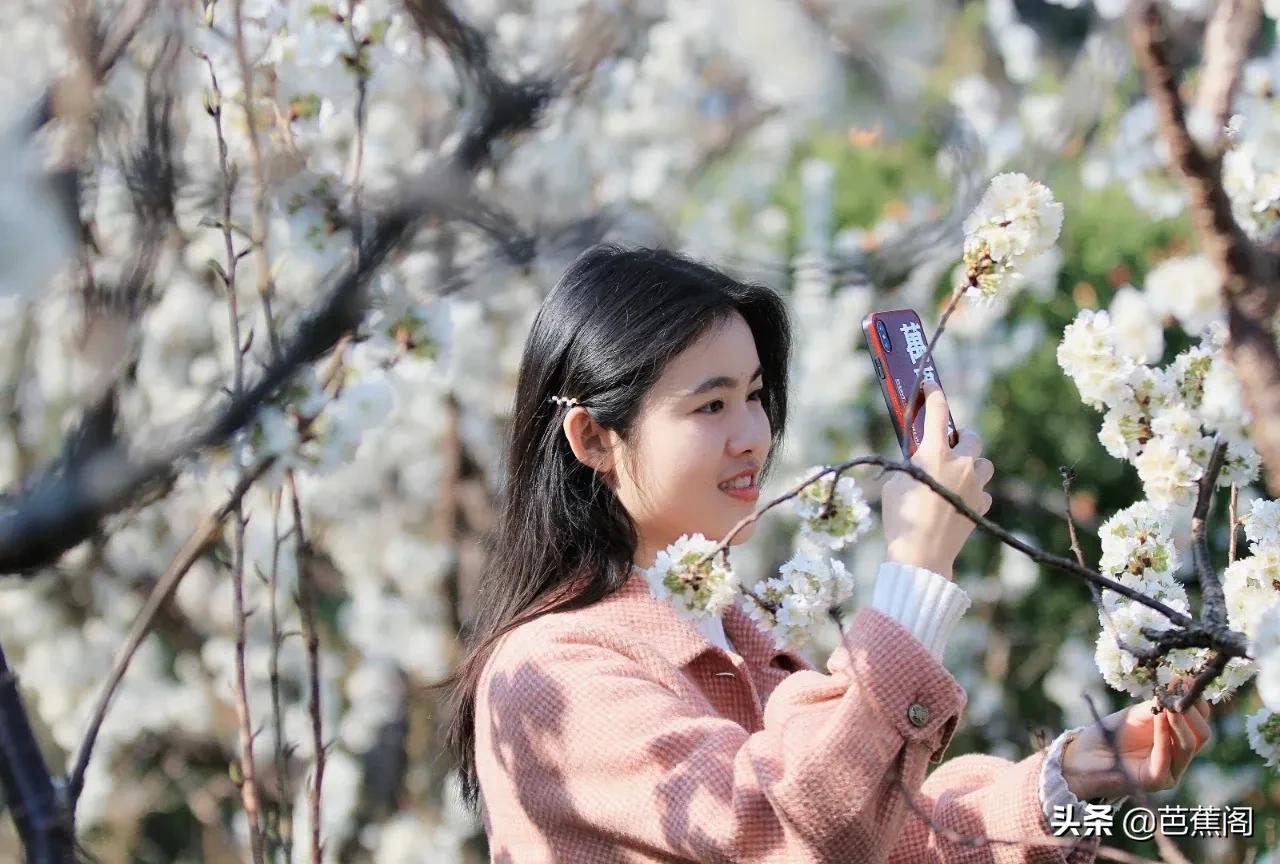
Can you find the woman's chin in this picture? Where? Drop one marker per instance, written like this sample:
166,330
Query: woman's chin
742,536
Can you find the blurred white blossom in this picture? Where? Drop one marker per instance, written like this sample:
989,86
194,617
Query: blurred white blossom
1263,730
1188,288
1016,221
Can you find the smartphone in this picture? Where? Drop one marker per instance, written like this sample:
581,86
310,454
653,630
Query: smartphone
897,341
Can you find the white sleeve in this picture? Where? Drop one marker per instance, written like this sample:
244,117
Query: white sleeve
1053,786
926,603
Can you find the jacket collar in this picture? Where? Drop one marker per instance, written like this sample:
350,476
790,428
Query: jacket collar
634,605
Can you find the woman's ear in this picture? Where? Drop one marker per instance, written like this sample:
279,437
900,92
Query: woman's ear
590,442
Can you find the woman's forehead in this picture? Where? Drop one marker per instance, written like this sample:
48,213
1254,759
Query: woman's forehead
723,357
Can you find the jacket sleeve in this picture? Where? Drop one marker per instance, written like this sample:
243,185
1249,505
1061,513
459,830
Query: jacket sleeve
980,808
823,779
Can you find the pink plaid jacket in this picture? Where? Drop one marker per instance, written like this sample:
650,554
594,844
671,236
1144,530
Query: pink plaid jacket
618,733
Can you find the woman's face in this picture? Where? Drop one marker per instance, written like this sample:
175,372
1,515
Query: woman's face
702,423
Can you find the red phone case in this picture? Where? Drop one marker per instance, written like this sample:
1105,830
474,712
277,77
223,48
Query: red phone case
895,360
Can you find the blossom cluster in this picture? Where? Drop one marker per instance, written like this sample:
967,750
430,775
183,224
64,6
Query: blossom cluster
1016,221
694,577
790,604
1251,171
1165,421
1253,605
827,520
1138,552
698,581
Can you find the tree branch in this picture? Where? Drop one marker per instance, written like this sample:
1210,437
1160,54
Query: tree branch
1250,276
39,806
1213,602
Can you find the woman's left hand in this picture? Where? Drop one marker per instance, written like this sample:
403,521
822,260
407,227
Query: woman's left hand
1155,750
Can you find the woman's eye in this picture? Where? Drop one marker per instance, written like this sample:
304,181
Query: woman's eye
753,394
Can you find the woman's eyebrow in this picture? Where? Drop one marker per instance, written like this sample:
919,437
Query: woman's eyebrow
719,381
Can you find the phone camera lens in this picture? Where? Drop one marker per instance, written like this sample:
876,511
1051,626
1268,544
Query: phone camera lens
884,335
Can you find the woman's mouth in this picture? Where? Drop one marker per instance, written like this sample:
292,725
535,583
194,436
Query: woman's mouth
743,488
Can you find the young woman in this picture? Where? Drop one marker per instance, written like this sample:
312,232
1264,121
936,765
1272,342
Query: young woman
599,726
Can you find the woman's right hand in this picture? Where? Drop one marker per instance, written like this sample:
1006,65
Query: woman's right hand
920,526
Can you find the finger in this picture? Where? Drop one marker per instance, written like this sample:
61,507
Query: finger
1160,748
1186,743
968,444
1199,727
1202,705
984,469
935,416
985,504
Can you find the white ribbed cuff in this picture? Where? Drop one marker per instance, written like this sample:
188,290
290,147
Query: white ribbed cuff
924,602
1053,785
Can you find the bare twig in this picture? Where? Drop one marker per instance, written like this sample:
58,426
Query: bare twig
262,261
1068,477
918,473
284,829
40,810
1214,603
1202,173
248,779
1233,516
126,25
357,62
204,534
307,605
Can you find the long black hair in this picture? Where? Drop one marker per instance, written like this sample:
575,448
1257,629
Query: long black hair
562,539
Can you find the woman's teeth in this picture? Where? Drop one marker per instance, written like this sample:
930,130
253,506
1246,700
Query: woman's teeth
740,483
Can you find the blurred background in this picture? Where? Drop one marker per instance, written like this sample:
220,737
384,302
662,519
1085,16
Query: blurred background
152,226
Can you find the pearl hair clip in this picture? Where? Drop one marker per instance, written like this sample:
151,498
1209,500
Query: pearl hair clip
562,400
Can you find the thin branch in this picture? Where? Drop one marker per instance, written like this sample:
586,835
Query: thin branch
923,476
307,606
262,261
248,779
127,22
1213,601
64,505
1212,668
38,804
284,828
204,534
1233,515
357,62
1145,656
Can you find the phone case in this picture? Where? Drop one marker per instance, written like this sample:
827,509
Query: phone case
897,341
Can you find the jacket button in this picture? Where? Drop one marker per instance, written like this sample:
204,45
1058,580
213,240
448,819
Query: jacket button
918,714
